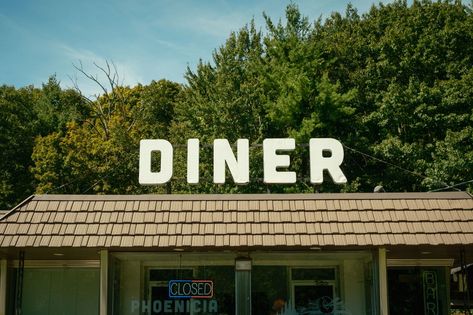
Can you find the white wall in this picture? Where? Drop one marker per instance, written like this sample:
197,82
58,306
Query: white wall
353,281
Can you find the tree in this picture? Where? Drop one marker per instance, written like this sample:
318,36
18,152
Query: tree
17,130
25,114
387,84
393,85
55,107
99,154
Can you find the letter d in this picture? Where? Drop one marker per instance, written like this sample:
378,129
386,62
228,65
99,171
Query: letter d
146,175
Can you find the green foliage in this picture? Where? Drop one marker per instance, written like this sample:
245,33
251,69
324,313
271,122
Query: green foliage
56,107
224,100
156,112
100,153
394,85
25,114
416,54
17,130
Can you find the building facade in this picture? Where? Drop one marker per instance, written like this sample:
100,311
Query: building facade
368,253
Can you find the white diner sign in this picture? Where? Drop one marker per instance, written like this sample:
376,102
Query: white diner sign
238,164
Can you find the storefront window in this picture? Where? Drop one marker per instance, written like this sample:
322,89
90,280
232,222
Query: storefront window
313,283
285,290
161,287
272,283
220,281
313,289
269,289
158,291
57,291
414,290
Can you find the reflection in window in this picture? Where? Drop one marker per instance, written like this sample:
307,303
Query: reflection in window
304,291
313,290
269,289
309,298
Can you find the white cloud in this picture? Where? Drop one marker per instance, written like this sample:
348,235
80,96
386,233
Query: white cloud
77,54
219,26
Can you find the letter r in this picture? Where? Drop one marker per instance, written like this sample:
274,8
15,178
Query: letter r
319,163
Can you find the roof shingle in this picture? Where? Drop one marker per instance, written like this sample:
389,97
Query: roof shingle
166,221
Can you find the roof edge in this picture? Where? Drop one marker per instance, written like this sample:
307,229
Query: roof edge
197,197
28,199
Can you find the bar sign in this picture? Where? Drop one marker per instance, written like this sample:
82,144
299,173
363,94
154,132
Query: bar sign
431,301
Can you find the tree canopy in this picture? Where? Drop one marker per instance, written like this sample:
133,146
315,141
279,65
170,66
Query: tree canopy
394,85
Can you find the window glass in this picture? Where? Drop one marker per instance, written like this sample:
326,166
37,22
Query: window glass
170,274
309,298
57,291
141,286
304,291
223,278
269,289
420,291
221,301
313,274
313,290
151,289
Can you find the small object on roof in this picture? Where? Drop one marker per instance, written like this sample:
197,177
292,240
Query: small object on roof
379,189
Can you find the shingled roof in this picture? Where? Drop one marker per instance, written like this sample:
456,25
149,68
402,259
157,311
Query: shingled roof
249,221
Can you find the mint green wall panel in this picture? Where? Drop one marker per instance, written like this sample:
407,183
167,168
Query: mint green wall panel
61,291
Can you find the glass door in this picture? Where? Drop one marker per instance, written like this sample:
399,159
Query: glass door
313,297
313,290
219,301
158,280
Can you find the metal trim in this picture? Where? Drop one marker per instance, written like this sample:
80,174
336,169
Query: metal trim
420,262
56,263
216,197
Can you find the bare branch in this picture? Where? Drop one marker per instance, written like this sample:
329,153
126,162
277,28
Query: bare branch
113,81
89,76
78,90
112,98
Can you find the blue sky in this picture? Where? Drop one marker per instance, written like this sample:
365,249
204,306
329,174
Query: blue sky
147,40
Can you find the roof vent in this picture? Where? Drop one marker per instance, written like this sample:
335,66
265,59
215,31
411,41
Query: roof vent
379,189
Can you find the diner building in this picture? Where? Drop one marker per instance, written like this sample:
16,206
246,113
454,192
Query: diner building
236,254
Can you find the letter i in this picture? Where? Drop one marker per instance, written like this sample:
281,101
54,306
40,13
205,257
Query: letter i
193,161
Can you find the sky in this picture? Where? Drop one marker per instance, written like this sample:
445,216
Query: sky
145,39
